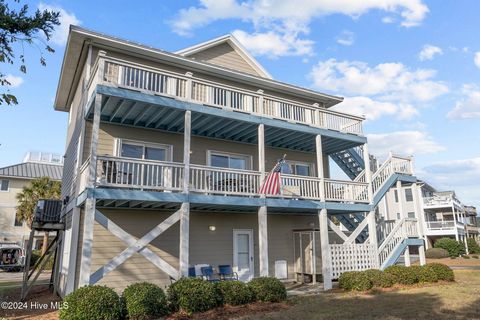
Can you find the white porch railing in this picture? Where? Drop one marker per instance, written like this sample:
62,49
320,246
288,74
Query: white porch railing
384,228
403,229
444,225
168,176
140,174
394,164
352,257
156,81
346,190
224,181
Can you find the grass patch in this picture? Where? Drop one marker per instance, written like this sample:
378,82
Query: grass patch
458,300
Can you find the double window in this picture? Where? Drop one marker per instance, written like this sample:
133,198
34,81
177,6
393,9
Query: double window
4,185
145,151
300,168
229,160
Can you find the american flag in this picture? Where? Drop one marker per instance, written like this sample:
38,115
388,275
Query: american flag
271,184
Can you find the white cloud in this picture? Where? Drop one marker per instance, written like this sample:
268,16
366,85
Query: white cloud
274,44
15,81
476,59
384,89
388,20
469,106
392,81
347,38
459,175
402,142
60,35
286,17
429,52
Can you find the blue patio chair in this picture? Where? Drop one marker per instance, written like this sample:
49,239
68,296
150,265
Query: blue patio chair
226,272
207,273
191,272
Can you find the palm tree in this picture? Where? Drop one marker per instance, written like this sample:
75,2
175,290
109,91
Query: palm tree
40,188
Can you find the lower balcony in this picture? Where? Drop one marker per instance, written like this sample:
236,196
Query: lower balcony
160,176
448,227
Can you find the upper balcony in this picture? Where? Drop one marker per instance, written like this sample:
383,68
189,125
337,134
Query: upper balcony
119,73
442,200
168,177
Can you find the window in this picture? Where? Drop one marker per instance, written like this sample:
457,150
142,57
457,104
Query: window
408,195
398,215
18,223
411,214
4,185
139,150
226,160
300,168
396,195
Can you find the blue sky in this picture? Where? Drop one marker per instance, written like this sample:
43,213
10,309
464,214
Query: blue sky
412,67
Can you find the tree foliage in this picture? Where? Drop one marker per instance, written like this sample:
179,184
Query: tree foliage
41,188
17,26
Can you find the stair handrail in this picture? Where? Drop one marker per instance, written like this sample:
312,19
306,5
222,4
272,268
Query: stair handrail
396,233
394,164
361,177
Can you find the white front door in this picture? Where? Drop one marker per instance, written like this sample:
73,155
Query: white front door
243,254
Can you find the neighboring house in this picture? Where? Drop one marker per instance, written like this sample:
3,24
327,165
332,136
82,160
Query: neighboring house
443,214
166,153
12,180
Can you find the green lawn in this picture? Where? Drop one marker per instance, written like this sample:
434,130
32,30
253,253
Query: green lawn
460,300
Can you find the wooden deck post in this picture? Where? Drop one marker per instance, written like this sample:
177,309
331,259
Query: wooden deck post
323,220
407,257
372,222
262,211
90,203
185,214
325,249
421,255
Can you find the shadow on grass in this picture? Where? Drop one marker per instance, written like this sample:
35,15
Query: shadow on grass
390,305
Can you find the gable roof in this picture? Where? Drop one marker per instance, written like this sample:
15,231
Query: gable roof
32,170
237,47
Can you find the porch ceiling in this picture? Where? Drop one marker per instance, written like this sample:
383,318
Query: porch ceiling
227,126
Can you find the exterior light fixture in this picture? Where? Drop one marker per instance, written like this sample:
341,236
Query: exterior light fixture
212,228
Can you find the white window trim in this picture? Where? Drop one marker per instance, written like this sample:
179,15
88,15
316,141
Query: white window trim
167,147
248,157
8,189
302,163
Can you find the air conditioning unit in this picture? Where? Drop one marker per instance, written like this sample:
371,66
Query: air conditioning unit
48,211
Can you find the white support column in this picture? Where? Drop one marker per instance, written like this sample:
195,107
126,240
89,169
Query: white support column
185,209
407,257
89,214
72,261
323,221
455,222
324,245
262,211
372,223
368,172
421,255
400,200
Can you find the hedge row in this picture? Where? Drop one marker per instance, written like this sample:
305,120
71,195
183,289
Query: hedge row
141,301
366,280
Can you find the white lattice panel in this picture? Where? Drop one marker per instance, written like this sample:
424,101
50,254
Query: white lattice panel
352,257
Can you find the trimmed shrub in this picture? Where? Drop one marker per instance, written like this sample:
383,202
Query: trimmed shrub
92,302
144,301
192,295
402,274
442,271
474,256
436,253
454,248
379,278
235,292
268,289
425,274
473,246
355,280
465,257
